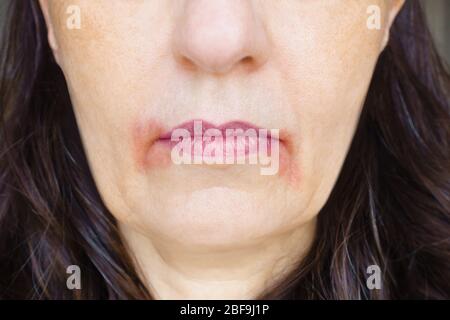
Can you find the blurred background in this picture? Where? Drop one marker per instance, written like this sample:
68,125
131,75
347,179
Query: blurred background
438,12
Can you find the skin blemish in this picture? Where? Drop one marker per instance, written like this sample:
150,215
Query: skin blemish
289,168
147,152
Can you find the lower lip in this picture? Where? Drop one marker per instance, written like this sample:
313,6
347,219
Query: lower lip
231,146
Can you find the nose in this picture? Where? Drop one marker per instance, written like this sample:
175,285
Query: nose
218,36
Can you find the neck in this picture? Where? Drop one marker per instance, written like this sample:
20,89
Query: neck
181,271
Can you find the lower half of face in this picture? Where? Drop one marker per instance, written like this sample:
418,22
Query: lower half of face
156,84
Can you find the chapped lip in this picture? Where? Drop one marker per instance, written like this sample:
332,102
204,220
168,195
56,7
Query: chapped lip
189,126
247,146
151,140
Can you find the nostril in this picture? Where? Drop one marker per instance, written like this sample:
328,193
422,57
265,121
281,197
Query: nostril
187,63
247,60
250,63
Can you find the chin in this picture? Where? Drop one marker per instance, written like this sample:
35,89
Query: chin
212,217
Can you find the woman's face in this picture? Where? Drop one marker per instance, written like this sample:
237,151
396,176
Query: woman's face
138,68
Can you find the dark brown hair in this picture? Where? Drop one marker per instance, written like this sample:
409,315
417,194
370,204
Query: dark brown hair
390,206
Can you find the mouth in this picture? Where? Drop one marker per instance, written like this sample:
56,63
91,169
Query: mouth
154,146
235,139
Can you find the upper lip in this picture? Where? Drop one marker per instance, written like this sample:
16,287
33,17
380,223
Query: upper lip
189,125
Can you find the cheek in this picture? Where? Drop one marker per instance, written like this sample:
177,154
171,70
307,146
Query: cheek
326,65
327,44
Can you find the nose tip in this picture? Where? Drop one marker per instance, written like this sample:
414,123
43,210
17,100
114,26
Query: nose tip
219,36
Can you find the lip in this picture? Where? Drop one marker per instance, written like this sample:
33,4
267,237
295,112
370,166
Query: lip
189,126
249,145
151,146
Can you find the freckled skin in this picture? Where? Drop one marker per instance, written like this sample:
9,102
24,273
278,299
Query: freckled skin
303,67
